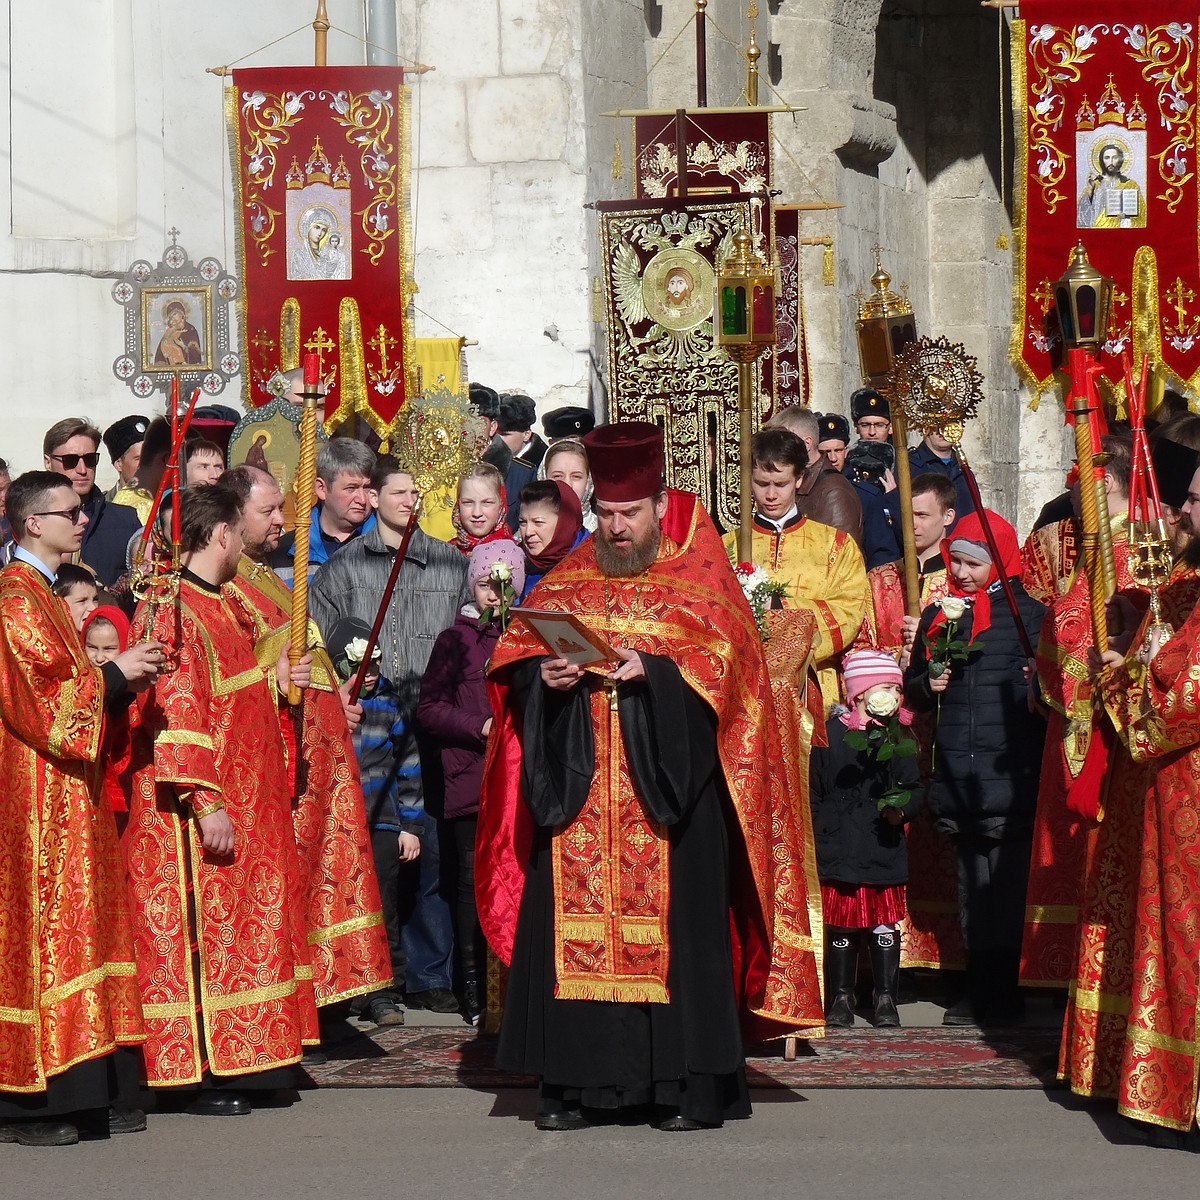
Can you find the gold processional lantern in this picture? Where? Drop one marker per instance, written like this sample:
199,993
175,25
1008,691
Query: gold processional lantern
744,309
884,327
1083,300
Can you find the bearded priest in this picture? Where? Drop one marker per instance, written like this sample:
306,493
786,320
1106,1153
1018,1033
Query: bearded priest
637,851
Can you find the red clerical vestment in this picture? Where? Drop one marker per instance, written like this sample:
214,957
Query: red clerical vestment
344,914
1060,836
1048,560
210,731
611,896
1130,1029
68,986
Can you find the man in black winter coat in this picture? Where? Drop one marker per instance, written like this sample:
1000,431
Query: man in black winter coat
72,447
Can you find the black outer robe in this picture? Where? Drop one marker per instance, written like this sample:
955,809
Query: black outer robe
685,1054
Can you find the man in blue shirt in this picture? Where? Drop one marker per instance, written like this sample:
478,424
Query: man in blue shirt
343,508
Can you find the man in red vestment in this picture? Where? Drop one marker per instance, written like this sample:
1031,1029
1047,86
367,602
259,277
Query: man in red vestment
69,1003
1060,836
344,914
1130,1029
638,863
214,874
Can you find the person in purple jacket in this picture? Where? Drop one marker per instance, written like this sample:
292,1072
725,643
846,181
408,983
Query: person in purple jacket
454,714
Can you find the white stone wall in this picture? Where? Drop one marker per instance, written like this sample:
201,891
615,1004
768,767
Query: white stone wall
117,135
500,228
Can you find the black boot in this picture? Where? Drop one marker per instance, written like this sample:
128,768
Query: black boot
1003,1005
841,968
968,1010
472,999
885,967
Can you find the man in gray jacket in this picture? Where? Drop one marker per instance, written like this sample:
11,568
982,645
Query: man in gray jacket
430,589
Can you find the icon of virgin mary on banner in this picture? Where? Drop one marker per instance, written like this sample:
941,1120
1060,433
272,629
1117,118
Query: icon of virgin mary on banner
322,167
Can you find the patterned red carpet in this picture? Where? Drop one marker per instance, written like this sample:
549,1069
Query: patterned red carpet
854,1058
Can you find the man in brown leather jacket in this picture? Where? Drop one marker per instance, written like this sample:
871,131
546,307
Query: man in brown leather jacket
822,492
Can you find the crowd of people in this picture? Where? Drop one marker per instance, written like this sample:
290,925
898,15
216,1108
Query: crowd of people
681,816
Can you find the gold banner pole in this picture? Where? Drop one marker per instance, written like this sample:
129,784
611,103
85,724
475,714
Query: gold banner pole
320,34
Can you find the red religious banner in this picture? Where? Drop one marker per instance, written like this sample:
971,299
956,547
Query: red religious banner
321,165
1105,99
725,150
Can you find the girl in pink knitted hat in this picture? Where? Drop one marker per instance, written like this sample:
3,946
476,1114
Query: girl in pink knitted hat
864,787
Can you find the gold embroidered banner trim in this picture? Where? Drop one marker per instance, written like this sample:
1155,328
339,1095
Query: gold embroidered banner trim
18,1016
352,371
289,334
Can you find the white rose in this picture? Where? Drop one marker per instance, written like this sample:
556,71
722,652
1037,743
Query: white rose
501,572
882,704
953,607
355,649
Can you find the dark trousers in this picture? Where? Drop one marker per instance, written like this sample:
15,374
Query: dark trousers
385,850
458,866
416,915
993,874
426,926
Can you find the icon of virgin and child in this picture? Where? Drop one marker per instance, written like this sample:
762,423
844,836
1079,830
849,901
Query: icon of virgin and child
319,251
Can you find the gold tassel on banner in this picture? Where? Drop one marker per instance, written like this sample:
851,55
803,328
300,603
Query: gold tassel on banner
618,165
828,274
1147,324
289,335
352,371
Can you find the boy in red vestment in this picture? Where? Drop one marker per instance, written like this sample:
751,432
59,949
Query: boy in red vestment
214,873
341,897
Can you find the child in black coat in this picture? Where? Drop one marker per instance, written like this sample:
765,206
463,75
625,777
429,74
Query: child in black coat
864,785
970,668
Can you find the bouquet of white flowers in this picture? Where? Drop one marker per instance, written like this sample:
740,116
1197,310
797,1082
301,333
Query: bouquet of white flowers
760,591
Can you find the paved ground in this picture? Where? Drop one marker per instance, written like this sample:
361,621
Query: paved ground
457,1144
461,1145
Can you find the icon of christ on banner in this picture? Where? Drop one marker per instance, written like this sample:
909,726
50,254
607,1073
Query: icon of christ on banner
1109,197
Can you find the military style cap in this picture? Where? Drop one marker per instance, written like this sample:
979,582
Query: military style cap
123,434
486,400
517,413
568,421
867,402
833,427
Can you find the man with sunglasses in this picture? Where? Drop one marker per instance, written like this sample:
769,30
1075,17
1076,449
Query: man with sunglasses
70,1011
72,448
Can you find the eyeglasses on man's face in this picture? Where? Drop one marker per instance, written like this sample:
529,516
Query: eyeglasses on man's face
71,514
71,461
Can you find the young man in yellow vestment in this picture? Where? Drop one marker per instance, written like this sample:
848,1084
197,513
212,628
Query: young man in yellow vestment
821,567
